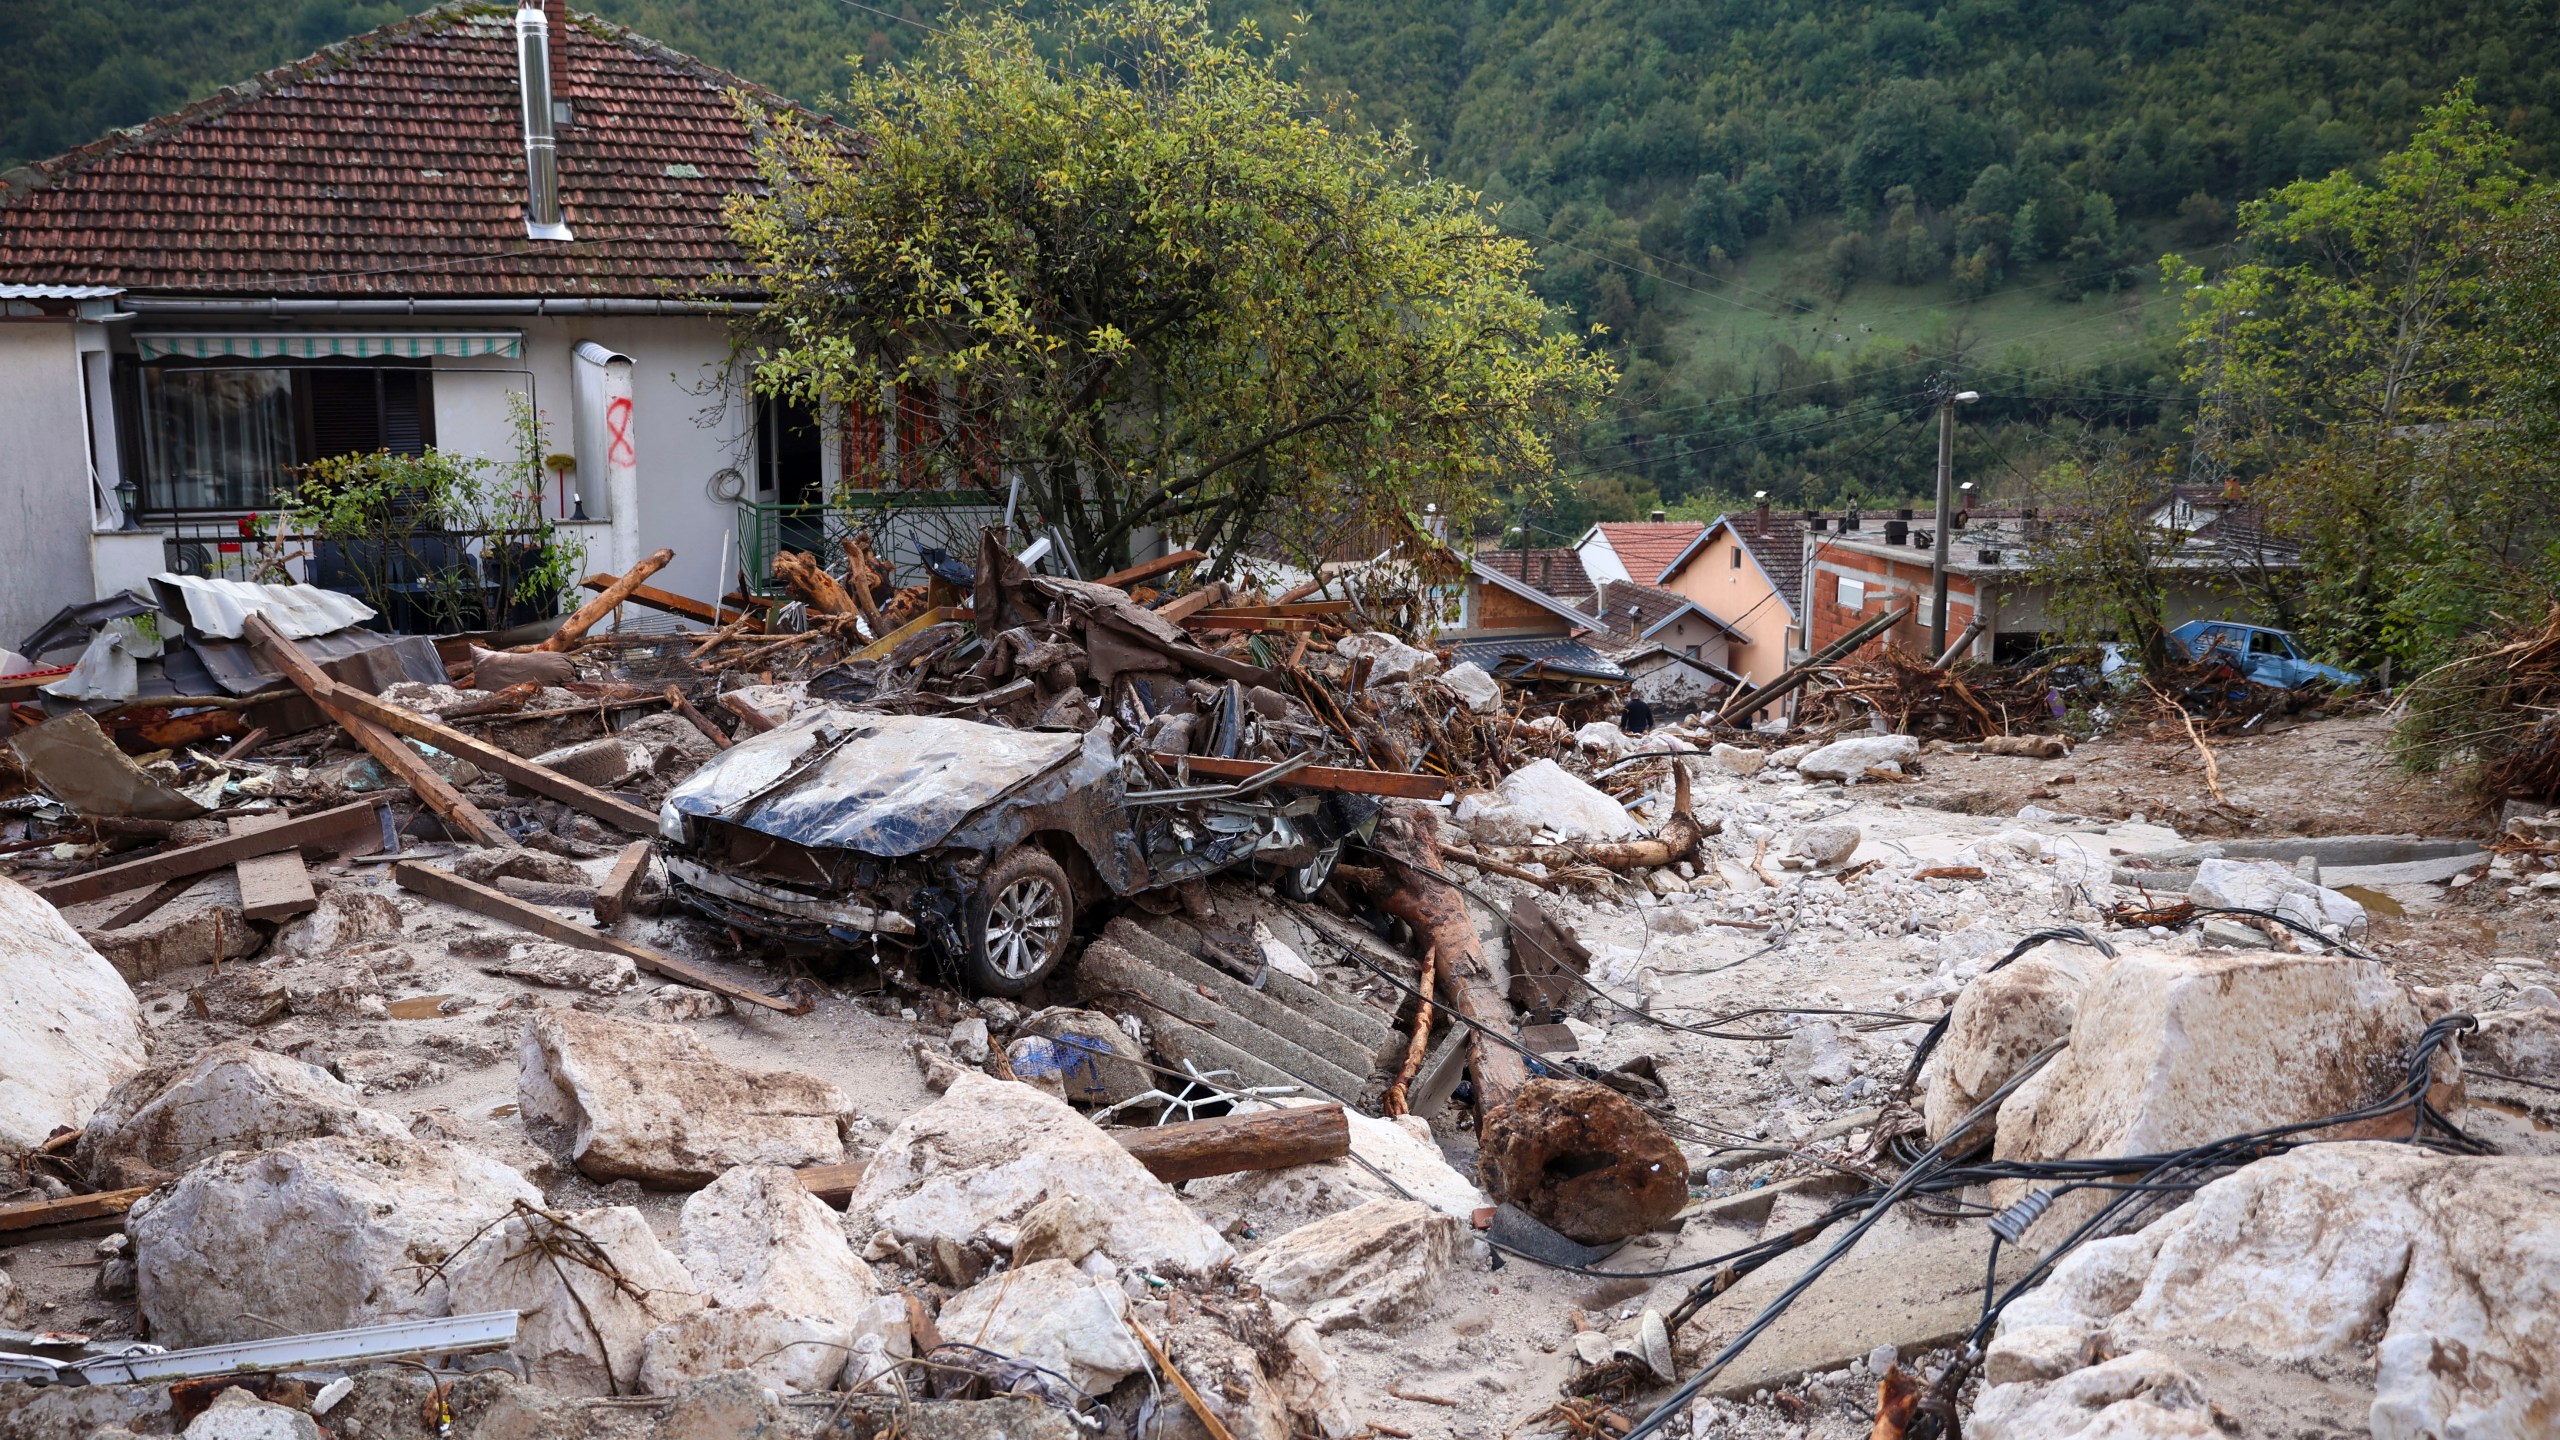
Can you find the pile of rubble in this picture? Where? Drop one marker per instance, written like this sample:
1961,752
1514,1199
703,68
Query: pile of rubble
1400,1051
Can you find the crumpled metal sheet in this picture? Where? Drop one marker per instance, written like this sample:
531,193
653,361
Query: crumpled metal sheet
77,764
366,659
221,608
887,785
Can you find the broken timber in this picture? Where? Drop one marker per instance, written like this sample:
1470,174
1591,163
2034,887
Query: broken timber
16,1221
408,765
1438,915
1318,777
671,603
613,595
276,885
1150,569
352,708
452,889
325,830
622,883
1229,1144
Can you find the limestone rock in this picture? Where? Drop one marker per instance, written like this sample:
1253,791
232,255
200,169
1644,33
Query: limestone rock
2141,1396
1786,756
69,1025
1277,1385
2523,1043
1063,1227
167,1119
669,1004
2266,885
322,1234
1604,738
969,1166
1585,1160
487,867
590,1285
795,1354
571,967
2001,1020
348,915
1380,1262
1851,759
1050,1314
1085,1054
235,1414
2171,1050
605,763
1475,687
651,1103
1828,844
1738,759
1391,661
756,1235
201,926
1545,796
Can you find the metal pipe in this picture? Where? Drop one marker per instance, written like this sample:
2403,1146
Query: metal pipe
542,220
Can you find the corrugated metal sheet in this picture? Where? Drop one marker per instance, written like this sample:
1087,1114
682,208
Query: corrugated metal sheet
1564,657
221,608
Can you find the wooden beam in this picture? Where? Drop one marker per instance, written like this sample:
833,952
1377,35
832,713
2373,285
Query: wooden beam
1222,620
881,648
452,889
17,1221
701,722
622,882
833,1183
1230,1144
1317,777
1184,607
736,704
136,910
1150,569
326,830
587,615
1297,610
272,886
1795,675
540,779
408,765
669,602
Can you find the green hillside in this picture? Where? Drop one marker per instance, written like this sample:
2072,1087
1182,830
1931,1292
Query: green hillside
1788,214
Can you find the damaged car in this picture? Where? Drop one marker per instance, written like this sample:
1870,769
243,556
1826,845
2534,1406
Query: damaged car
982,846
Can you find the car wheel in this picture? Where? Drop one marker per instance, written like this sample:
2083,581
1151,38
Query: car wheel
1301,882
1019,923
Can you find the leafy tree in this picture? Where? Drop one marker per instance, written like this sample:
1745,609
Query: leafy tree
1156,282
2356,376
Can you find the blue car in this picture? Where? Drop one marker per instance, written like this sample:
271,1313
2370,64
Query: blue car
2267,657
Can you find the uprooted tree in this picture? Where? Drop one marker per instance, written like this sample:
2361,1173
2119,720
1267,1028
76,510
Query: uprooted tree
1153,281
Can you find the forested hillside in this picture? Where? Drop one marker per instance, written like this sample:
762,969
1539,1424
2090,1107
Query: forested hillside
1788,214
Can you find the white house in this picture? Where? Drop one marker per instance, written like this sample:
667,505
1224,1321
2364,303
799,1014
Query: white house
382,246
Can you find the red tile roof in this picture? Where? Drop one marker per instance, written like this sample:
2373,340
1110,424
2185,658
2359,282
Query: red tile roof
1552,571
393,165
1651,606
1776,545
1644,547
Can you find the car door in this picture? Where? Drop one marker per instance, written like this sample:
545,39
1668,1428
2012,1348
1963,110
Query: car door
2272,660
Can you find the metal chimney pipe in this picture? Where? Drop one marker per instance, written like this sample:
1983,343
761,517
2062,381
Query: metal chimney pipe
542,220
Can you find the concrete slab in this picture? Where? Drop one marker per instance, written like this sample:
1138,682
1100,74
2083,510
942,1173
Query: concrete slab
1911,1284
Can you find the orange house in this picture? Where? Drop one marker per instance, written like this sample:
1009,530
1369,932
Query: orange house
1747,573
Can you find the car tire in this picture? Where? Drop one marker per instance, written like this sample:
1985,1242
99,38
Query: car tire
1301,882
1019,923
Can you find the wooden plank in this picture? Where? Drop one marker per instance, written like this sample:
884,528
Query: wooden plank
1150,569
540,779
452,889
586,616
1184,607
833,1183
1317,777
622,882
17,1221
700,721
408,765
736,704
136,910
1215,620
938,615
1230,1144
1301,609
272,886
669,602
329,829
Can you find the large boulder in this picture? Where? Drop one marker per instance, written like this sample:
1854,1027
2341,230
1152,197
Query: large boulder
69,1025
2276,889
2171,1050
794,1354
1852,759
2141,1396
1261,1369
1391,661
1474,685
168,1119
348,915
2438,1276
322,1234
1052,1314
1380,1262
588,1287
970,1165
1543,795
1585,1160
2002,1020
1388,1158
651,1102
756,1235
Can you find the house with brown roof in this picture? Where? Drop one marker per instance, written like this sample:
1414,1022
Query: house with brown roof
1748,572
1634,550
398,243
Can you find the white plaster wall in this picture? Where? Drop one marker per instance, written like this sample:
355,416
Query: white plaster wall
45,509
687,424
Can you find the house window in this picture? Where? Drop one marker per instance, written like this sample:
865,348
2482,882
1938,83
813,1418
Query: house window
230,437
1736,560
1853,593
790,468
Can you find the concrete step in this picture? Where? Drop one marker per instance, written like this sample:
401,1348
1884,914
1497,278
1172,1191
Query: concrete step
1372,1029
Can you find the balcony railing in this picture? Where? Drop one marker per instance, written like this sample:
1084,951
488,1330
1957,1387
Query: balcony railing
902,524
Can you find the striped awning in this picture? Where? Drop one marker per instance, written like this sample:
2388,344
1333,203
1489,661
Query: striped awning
328,344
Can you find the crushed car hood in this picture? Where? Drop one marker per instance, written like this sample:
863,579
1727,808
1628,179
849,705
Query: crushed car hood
885,785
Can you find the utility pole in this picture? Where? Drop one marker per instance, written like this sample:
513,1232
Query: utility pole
1946,508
